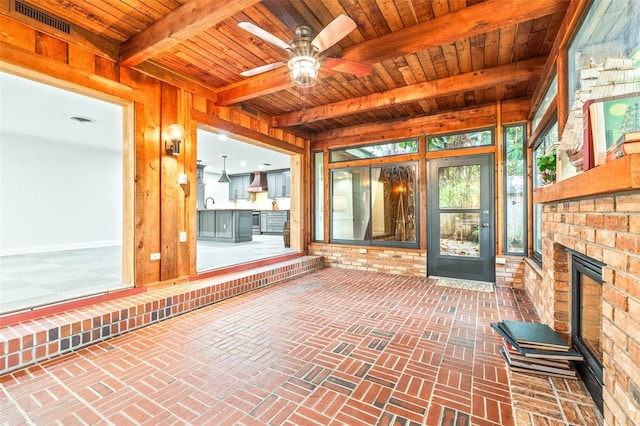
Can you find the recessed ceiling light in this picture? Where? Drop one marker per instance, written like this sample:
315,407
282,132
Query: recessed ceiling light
82,119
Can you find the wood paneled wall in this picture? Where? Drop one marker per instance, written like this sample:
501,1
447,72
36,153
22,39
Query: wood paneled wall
156,208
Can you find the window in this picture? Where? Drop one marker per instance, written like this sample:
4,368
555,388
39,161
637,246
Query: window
375,205
318,196
549,96
543,145
373,151
609,30
515,173
460,140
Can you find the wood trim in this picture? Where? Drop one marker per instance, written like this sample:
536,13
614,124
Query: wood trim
544,122
463,119
128,193
572,18
499,203
244,133
375,161
169,189
39,68
422,196
622,174
478,150
153,69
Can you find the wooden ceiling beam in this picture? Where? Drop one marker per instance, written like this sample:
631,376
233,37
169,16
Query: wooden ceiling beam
263,84
481,79
190,19
464,23
468,118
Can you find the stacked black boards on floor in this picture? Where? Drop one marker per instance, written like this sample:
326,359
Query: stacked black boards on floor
536,348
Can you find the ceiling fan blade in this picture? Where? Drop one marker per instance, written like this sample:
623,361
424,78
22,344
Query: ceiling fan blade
334,32
263,34
261,69
347,66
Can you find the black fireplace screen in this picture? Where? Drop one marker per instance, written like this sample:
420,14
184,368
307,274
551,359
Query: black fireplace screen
586,320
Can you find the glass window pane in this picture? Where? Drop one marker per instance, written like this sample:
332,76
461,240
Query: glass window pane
373,151
460,140
609,30
459,187
537,231
549,95
318,169
350,204
544,146
459,234
393,195
515,174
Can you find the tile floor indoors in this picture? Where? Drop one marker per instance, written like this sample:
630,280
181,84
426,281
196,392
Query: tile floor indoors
333,347
37,279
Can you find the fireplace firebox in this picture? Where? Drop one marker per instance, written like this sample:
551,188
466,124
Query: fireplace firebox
586,321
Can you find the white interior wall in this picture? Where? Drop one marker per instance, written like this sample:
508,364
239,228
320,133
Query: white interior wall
56,195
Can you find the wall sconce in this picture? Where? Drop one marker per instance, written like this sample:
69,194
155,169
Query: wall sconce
176,132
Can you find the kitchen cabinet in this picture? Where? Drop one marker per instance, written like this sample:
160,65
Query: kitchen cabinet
279,183
207,224
225,225
238,187
272,222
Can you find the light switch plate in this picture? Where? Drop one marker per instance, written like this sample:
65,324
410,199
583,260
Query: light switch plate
182,179
154,256
183,237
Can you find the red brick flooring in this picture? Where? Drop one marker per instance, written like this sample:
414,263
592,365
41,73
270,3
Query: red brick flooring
332,347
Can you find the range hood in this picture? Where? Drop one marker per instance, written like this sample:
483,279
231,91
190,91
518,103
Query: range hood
259,182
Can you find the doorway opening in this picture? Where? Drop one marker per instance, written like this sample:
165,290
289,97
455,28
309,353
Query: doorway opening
62,195
243,219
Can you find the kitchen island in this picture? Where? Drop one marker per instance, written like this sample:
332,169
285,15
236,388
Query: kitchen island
228,225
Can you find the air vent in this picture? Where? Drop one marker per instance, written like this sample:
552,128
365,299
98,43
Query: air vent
42,17
249,110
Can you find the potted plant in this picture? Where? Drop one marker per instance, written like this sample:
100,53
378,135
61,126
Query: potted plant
547,167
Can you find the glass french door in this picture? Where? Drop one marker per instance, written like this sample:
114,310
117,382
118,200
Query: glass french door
460,219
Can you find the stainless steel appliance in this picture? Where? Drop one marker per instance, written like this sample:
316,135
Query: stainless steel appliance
256,222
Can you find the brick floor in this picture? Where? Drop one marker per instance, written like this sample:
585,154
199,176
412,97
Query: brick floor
332,347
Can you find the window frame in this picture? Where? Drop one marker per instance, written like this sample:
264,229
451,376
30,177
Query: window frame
491,130
537,208
371,242
505,189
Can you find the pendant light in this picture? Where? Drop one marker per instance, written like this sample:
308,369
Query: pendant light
224,178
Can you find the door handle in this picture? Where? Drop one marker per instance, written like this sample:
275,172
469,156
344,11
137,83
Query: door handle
485,224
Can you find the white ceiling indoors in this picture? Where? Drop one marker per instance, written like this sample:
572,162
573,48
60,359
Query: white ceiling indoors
34,109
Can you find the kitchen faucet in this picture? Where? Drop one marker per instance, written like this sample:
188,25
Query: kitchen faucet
207,200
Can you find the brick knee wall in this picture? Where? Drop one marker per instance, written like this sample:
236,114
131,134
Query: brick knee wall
28,342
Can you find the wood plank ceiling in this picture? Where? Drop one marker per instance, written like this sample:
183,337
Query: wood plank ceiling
428,56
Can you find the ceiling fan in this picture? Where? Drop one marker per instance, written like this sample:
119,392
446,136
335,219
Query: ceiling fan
305,53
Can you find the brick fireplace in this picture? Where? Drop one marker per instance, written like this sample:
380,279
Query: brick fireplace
603,226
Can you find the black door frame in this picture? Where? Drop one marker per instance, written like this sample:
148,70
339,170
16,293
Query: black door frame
472,268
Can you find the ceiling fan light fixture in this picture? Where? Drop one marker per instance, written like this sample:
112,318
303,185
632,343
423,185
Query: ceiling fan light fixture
304,70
